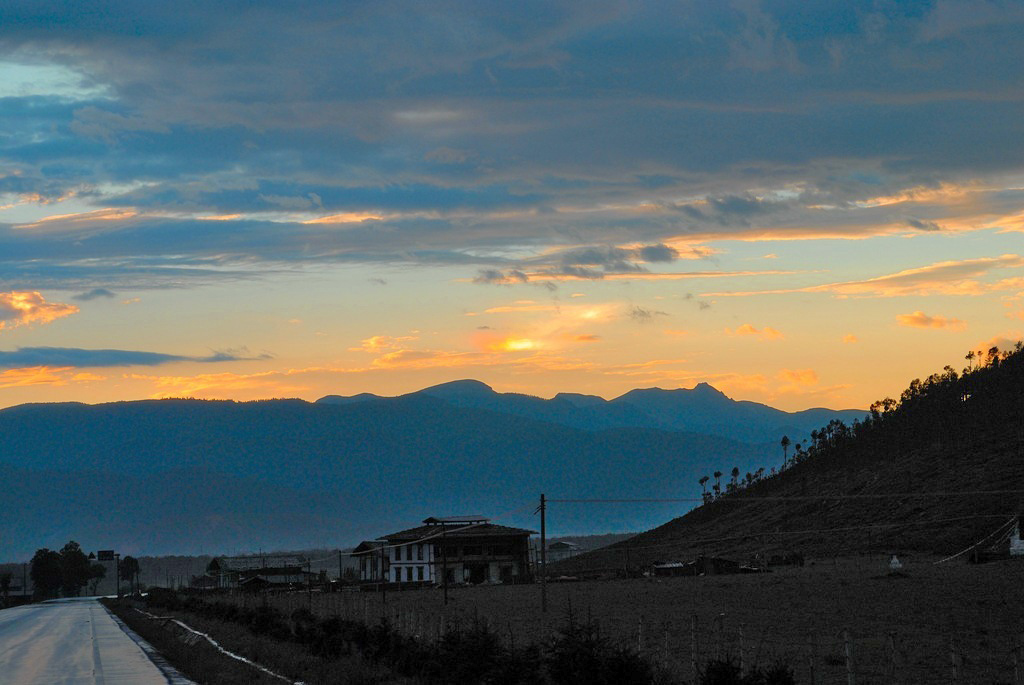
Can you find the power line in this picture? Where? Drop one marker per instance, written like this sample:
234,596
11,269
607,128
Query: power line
789,498
810,531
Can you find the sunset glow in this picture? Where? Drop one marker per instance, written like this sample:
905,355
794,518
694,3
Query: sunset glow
801,208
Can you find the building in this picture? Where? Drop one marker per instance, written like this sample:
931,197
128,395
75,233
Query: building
1016,544
231,572
461,549
558,551
373,563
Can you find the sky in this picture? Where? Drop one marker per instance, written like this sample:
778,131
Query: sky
801,203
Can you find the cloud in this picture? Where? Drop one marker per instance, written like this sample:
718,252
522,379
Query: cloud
93,294
73,357
526,307
953,277
587,337
921,320
766,333
850,339
495,276
377,343
798,376
923,225
268,383
43,375
644,315
18,308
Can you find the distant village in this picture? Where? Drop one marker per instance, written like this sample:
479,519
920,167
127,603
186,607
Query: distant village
457,550
471,550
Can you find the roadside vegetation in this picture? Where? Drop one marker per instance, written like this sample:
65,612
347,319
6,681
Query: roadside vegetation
314,649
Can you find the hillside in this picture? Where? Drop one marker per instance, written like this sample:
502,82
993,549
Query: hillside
906,479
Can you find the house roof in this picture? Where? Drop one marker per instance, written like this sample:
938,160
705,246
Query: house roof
367,546
483,530
464,520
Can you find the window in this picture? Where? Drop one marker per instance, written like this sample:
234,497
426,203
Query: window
419,554
398,553
419,573
408,573
398,575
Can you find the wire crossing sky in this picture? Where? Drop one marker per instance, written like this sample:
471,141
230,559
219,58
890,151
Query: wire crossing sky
801,203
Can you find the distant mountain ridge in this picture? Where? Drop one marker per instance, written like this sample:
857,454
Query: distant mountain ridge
703,409
191,476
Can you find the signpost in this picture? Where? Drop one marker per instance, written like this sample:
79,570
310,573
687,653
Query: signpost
111,555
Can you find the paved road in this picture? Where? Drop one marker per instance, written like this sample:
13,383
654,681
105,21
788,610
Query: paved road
74,642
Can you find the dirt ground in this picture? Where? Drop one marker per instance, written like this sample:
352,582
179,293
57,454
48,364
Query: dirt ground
952,622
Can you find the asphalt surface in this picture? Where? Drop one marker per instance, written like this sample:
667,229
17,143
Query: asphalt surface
75,642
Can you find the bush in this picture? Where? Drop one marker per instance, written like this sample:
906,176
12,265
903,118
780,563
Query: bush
727,672
578,655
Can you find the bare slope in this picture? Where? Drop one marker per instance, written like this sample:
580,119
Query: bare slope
907,479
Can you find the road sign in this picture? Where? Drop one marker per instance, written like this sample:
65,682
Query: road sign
105,555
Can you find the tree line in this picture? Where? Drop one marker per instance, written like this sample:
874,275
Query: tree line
949,409
67,572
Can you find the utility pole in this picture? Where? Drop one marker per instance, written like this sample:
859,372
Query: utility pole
444,564
383,577
24,580
543,554
309,585
117,573
339,566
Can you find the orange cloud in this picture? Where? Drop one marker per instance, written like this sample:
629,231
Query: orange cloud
766,333
587,337
676,333
850,338
377,343
532,307
216,384
921,320
798,376
19,308
654,276
942,278
44,375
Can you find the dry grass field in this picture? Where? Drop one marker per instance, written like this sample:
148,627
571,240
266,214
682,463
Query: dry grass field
948,623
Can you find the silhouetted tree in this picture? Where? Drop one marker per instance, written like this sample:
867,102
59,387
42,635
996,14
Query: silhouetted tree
130,571
75,569
718,483
704,484
46,573
97,572
5,586
785,448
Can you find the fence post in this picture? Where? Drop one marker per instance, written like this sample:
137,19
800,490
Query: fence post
954,658
743,663
1017,680
848,646
812,643
693,647
892,657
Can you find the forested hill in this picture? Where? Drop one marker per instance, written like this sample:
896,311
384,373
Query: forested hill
905,479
